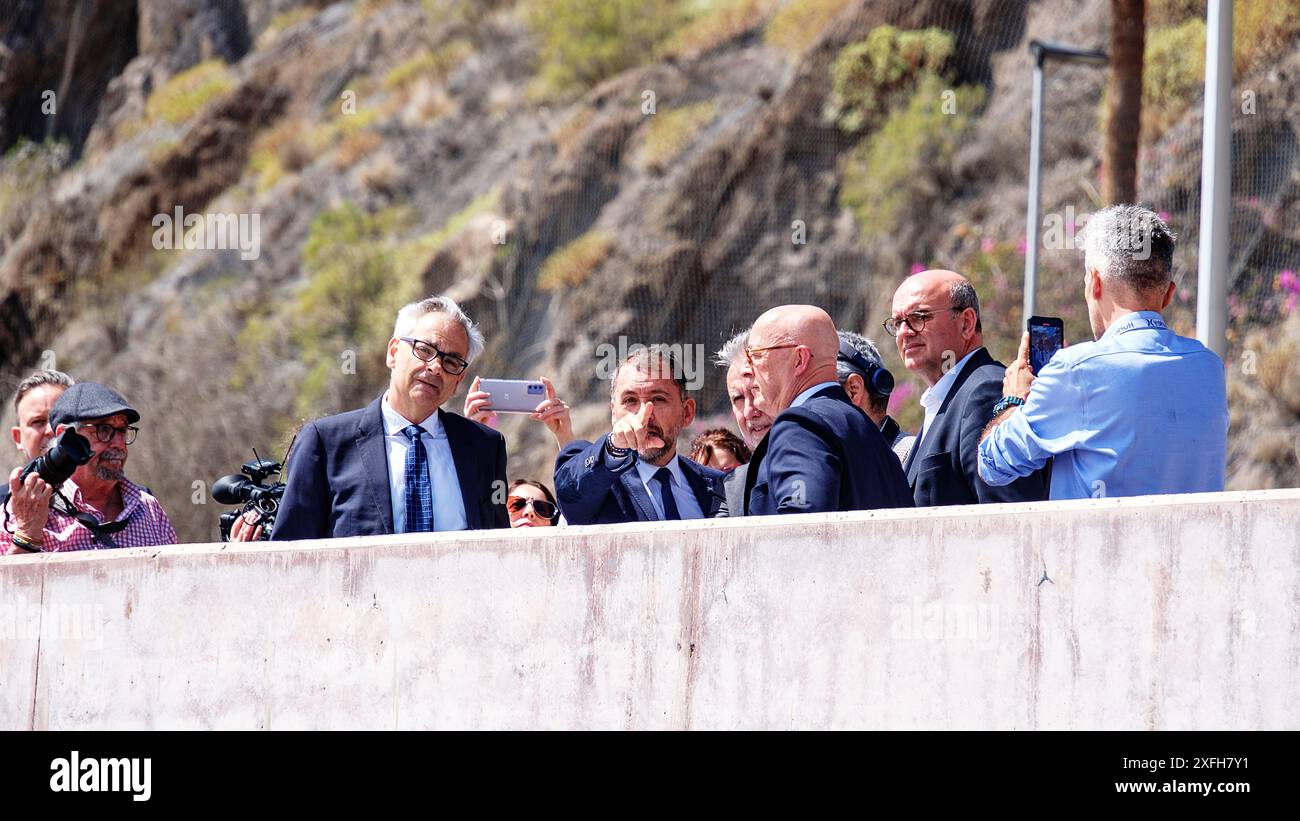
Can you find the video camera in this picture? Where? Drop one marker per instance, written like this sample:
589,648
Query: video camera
249,489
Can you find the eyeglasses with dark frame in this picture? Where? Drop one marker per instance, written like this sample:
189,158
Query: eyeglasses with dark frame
427,352
104,432
541,507
915,320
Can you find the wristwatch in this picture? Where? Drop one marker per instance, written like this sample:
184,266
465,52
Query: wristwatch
1007,402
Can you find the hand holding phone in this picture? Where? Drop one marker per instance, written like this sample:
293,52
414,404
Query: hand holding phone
513,395
1046,337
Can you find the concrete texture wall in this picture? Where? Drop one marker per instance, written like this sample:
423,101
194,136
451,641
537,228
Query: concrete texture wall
1159,612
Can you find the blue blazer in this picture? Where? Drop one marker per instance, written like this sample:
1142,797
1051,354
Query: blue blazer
593,493
824,455
338,476
944,468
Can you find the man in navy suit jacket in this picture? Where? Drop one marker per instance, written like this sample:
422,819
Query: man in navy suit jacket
634,474
348,474
822,452
936,323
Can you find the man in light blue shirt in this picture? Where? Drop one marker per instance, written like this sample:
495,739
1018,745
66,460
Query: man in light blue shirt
1139,411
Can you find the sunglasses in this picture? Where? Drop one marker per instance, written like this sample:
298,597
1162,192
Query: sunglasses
516,504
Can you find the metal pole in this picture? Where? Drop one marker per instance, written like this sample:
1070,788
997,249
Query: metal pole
1216,181
1035,160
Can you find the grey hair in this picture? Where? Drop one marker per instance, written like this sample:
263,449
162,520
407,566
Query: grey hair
731,349
869,352
411,314
40,379
962,295
1129,244
650,354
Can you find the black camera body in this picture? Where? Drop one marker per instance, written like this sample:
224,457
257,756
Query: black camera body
249,489
69,452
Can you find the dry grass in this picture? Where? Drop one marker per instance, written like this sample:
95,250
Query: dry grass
670,132
720,22
798,24
354,148
572,264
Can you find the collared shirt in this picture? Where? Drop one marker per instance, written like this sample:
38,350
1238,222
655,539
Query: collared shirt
1140,411
147,523
688,507
932,398
808,393
448,504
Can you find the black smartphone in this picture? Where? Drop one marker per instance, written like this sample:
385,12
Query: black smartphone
1046,337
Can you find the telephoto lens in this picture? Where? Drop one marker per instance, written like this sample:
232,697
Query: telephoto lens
69,452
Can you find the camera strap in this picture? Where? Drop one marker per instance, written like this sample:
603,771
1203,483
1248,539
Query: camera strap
102,531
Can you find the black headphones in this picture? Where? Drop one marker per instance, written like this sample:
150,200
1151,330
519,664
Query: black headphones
879,380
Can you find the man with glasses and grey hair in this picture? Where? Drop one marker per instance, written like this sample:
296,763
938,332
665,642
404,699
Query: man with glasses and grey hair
1140,410
401,465
936,323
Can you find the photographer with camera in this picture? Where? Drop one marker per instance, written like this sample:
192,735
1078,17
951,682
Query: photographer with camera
76,495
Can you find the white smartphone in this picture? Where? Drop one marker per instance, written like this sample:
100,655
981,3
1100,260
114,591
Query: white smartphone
514,395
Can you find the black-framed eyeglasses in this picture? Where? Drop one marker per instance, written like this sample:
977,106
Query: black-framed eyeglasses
105,432
543,508
427,352
915,320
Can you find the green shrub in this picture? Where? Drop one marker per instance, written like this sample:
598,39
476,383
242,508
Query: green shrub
1173,75
184,94
866,77
580,42
354,288
669,132
903,162
574,263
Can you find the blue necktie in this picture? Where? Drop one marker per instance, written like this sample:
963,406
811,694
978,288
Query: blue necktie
419,494
664,477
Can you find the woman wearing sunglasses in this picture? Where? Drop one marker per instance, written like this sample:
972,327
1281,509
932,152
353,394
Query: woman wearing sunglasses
531,504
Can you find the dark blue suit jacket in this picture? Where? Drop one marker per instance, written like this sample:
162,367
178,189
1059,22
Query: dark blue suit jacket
944,468
592,492
338,476
824,455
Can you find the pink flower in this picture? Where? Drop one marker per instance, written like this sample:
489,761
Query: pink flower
1022,247
1164,215
917,267
900,395
986,245
1288,281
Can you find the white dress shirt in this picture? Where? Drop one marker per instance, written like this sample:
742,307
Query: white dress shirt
934,395
448,504
687,505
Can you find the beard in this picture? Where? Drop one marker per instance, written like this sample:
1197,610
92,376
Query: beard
110,471
655,454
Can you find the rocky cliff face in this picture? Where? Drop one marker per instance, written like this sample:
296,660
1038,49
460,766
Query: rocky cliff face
390,150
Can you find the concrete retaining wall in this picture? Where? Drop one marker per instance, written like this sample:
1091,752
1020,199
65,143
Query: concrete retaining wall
1159,612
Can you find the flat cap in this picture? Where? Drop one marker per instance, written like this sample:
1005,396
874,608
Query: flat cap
90,400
